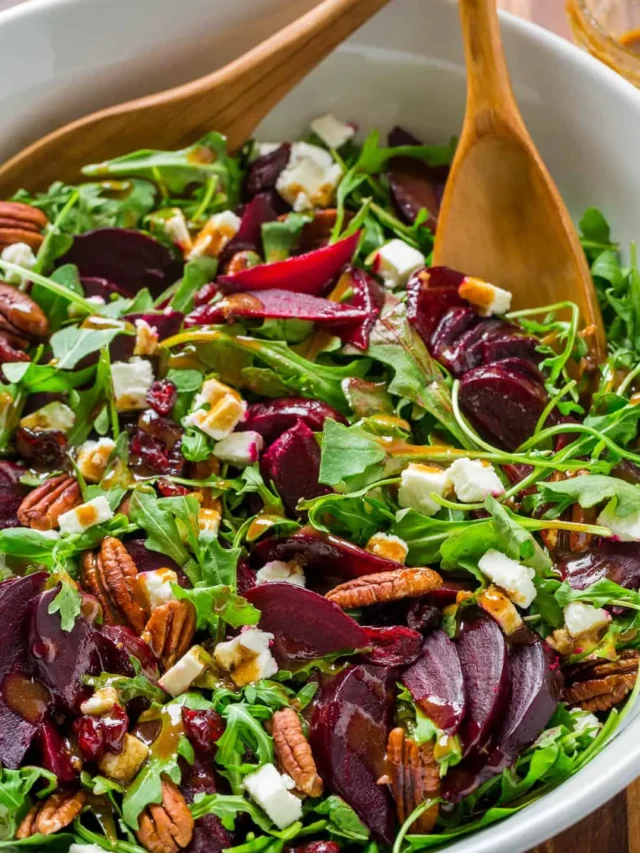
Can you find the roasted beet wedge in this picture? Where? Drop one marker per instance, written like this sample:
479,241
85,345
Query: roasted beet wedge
451,327
435,681
504,400
12,493
484,662
273,417
209,835
311,273
279,304
393,646
147,560
349,732
94,286
328,556
128,259
606,558
54,753
431,293
263,173
368,296
249,235
306,625
292,464
414,184
509,346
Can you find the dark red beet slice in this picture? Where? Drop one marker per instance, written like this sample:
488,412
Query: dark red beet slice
94,286
484,662
249,235
368,296
55,754
467,351
503,401
329,555
428,299
128,259
306,625
310,273
147,560
292,464
12,493
279,304
273,417
450,328
617,561
349,732
263,173
209,835
436,684
118,644
414,184
510,346
393,646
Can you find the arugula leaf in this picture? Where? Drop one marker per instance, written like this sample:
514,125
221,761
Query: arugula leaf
197,273
356,517
343,821
218,564
54,306
57,843
591,489
128,688
67,602
28,544
15,786
279,237
88,403
227,807
71,344
602,592
243,730
213,603
348,452
160,526
39,378
424,535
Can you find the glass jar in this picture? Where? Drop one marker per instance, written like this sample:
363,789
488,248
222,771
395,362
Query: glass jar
610,31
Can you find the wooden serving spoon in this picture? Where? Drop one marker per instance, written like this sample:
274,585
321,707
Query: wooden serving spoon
232,100
502,217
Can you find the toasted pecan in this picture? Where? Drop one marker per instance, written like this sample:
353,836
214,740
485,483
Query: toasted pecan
20,315
170,630
415,777
385,586
42,507
56,812
293,752
111,576
166,827
600,685
21,223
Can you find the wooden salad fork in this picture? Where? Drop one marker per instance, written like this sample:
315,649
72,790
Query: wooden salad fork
232,100
502,217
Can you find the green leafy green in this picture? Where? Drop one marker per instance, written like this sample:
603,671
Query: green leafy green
15,788
591,489
71,344
67,602
343,821
243,730
279,237
128,688
197,273
348,452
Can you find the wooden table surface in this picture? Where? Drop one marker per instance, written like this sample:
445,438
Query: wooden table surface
614,828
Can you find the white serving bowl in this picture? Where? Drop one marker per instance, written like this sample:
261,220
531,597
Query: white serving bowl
62,58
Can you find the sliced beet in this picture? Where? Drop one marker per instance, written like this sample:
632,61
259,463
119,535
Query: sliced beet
605,558
263,173
446,334
55,754
348,735
126,258
484,662
427,302
248,237
503,401
414,184
147,560
273,417
118,644
509,346
328,555
16,736
278,304
306,625
292,464
94,286
394,645
12,493
467,350
367,296
435,681
310,273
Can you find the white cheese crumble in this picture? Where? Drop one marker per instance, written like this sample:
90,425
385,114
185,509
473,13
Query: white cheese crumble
512,577
581,618
333,132
131,381
22,255
123,767
396,261
101,702
247,657
487,297
276,571
215,235
179,678
240,448
156,586
209,520
82,517
146,338
417,482
226,408
271,792
53,416
177,230
93,457
310,177
388,546
625,529
474,480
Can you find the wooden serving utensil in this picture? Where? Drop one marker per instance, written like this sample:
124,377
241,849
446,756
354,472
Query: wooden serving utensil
502,217
232,100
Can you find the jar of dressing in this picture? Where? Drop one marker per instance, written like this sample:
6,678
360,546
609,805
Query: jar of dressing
610,31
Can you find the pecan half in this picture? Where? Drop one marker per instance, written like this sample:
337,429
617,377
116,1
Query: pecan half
294,753
45,504
385,586
21,223
599,685
111,576
56,812
170,631
19,314
167,827
415,777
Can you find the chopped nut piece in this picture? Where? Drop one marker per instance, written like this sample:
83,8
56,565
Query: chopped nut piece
123,767
168,826
294,753
599,685
101,702
415,777
56,812
170,631
21,223
42,508
497,605
111,575
385,586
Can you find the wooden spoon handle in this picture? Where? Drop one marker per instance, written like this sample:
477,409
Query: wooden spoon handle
232,100
490,97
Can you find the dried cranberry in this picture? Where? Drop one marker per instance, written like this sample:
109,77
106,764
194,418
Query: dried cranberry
11,349
203,728
41,448
55,754
171,490
115,725
89,734
162,396
318,847
205,294
423,616
155,445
